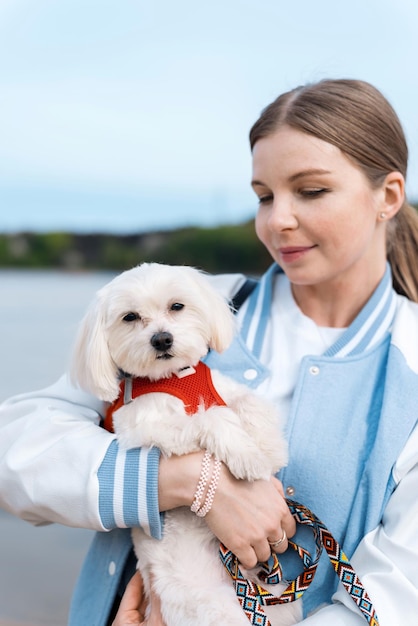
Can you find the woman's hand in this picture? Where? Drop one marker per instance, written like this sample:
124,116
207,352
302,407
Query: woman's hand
246,516
133,606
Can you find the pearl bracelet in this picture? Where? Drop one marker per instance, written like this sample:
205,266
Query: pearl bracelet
197,507
203,481
211,491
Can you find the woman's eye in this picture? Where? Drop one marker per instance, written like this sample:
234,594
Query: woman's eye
265,199
131,317
177,306
314,193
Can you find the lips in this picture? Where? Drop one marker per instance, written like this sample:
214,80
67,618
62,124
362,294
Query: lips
294,253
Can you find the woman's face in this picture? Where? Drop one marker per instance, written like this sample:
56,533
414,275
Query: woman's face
318,215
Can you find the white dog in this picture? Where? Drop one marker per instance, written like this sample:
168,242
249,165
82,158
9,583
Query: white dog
158,321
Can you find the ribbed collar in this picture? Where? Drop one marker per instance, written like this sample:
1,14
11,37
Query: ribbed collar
372,323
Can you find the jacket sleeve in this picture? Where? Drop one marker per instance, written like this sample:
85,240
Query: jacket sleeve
58,465
386,559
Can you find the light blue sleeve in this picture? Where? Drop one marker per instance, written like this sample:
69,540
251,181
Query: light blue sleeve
128,489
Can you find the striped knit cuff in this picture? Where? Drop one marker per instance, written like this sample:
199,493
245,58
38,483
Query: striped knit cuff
128,489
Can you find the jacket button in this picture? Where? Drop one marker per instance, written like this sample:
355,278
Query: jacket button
314,370
112,568
290,491
250,374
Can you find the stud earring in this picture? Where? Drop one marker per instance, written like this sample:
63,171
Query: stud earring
382,215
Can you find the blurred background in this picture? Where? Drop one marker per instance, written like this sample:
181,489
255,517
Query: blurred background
123,137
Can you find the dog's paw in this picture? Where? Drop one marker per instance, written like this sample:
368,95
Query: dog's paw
255,466
222,434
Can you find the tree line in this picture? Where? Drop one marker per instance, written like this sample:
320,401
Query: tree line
231,248
221,249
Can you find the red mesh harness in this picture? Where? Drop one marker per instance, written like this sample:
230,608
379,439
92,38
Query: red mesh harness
193,390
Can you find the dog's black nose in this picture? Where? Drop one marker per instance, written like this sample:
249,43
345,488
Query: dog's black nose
162,341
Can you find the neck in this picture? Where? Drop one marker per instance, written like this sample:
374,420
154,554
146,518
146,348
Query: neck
335,304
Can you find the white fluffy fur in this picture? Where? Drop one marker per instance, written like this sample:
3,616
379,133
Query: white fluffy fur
245,435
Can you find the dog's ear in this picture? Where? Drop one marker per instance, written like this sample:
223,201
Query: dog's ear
219,317
222,324
92,367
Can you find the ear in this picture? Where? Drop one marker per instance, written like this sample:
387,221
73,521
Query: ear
222,324
92,367
393,196
220,319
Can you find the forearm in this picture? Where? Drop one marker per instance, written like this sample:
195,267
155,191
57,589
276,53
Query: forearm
178,477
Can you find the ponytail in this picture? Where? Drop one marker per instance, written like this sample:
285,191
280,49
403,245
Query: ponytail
403,252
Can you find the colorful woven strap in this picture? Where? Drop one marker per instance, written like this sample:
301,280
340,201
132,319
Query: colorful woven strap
252,596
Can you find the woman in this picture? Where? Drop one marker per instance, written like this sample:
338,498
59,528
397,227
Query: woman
325,337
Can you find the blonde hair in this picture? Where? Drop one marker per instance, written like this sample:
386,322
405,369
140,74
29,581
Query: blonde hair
355,116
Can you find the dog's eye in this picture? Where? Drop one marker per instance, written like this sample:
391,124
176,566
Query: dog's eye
130,317
177,306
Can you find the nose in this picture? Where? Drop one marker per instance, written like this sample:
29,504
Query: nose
282,216
162,341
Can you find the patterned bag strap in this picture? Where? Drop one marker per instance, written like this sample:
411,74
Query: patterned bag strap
252,596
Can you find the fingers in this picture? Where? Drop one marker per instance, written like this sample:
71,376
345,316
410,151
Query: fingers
245,515
278,545
288,521
155,617
277,483
134,593
278,542
128,613
132,608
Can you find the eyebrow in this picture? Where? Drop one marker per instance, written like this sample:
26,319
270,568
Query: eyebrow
311,172
298,175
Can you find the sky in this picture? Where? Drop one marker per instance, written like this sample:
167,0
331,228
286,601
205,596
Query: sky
131,115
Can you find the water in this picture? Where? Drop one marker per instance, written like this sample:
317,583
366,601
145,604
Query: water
39,312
